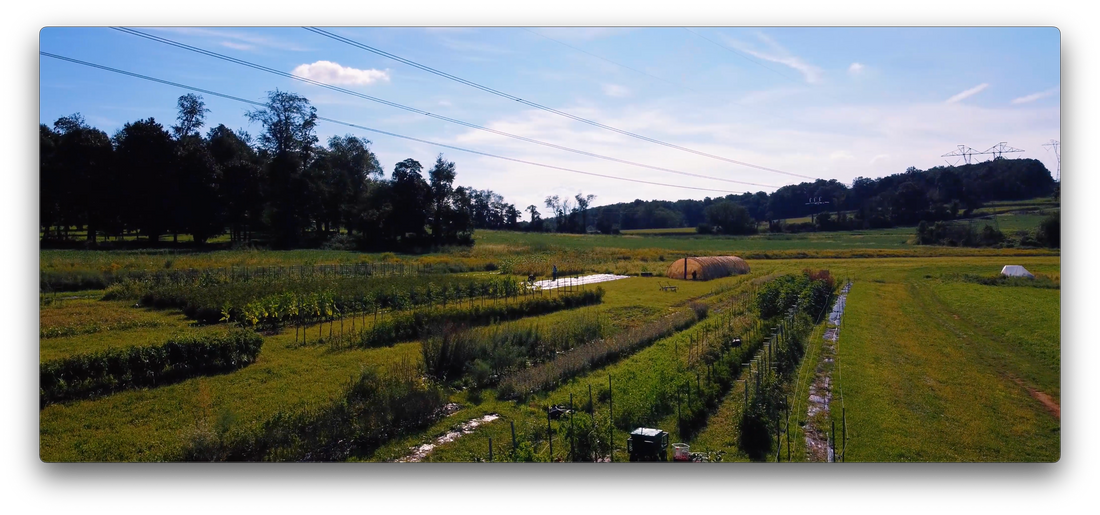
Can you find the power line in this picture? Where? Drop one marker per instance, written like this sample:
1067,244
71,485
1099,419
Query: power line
769,113
610,61
743,56
338,89
349,124
543,107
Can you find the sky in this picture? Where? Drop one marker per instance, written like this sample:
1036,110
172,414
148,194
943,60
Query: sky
769,105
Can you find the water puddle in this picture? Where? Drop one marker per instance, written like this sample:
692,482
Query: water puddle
420,452
819,445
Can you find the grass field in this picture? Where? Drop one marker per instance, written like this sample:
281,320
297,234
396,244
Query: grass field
629,252
934,371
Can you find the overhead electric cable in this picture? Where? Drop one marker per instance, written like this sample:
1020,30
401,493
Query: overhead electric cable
581,50
349,124
743,56
338,89
543,107
677,84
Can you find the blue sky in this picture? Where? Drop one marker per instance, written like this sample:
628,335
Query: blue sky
821,102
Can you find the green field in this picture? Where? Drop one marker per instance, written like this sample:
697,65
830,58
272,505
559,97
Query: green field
932,368
939,371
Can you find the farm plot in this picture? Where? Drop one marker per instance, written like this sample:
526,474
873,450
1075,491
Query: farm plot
642,389
161,424
294,388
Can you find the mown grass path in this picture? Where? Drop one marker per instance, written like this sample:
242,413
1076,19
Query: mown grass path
923,385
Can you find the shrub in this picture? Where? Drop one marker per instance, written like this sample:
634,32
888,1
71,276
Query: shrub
1050,230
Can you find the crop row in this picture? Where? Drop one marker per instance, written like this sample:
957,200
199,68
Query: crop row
596,353
373,409
95,374
766,391
274,302
481,356
420,323
693,372
74,280
808,291
59,331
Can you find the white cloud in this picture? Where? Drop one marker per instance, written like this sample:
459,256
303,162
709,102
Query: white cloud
1036,96
615,90
968,93
855,69
778,54
333,73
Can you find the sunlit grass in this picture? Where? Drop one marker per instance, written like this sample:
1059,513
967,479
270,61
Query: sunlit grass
919,387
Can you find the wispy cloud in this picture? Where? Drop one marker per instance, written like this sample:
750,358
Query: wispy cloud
234,39
968,93
856,69
237,46
1036,96
776,53
333,73
615,90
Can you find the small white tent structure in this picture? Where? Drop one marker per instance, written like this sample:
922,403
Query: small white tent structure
1016,271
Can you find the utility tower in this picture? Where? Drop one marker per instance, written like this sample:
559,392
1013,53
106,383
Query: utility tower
964,152
1053,145
999,149
815,201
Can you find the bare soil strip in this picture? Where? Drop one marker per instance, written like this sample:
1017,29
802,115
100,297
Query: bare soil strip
818,448
1048,402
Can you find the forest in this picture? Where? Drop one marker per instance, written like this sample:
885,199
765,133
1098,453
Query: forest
282,187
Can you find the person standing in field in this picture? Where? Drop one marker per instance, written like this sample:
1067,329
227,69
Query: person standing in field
693,275
555,272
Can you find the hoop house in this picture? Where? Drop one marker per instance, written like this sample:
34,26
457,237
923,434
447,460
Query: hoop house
707,268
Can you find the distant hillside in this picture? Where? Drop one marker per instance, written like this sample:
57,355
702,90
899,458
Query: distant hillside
939,193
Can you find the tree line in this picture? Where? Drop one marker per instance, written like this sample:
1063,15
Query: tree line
281,188
937,194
